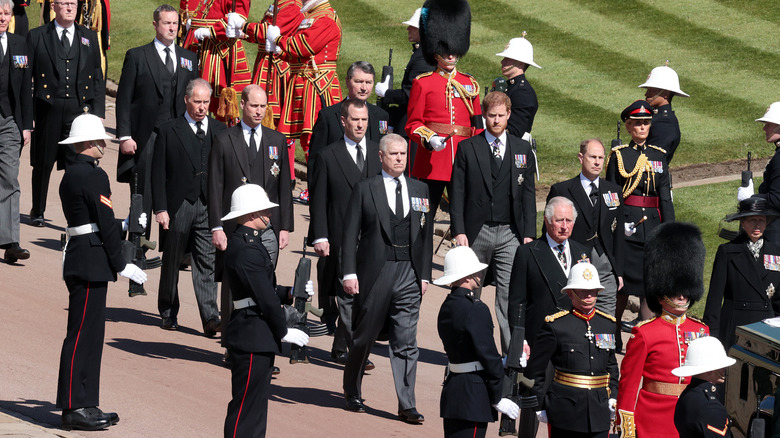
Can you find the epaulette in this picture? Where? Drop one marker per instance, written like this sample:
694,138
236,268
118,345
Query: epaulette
606,315
424,75
694,319
617,148
554,316
657,148
641,323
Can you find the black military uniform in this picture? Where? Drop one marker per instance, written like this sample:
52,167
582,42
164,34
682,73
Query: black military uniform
254,334
699,414
770,189
466,330
581,348
524,105
665,130
92,258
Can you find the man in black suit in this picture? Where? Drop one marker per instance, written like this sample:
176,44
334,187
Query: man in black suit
151,91
493,199
257,328
334,172
92,258
180,194
68,80
16,123
328,128
232,162
386,260
541,269
599,226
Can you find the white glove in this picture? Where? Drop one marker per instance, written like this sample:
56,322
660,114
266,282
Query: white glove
235,21
437,143
542,416
295,336
272,33
142,221
230,32
134,273
309,288
745,192
202,33
508,408
382,87
612,406
523,360
188,24
630,230
271,47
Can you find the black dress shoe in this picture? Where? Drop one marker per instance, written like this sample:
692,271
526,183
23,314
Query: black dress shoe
627,326
354,404
276,371
84,419
212,327
169,323
340,357
37,221
411,416
112,417
369,366
14,253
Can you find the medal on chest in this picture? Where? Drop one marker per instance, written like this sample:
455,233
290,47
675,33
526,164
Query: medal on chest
275,169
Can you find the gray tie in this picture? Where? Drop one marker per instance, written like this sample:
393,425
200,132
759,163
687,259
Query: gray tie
359,159
168,60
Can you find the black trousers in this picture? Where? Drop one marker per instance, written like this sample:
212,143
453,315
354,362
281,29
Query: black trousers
464,429
78,385
435,192
247,412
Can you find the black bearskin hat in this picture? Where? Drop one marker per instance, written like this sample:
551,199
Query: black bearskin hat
674,263
445,28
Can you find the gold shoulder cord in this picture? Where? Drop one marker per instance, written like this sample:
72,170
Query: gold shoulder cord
642,164
466,96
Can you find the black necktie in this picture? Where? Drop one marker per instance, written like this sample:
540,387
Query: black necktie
65,41
200,133
252,145
360,160
562,255
168,60
2,52
399,202
594,194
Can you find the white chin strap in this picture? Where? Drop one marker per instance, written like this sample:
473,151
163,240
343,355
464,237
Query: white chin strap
677,306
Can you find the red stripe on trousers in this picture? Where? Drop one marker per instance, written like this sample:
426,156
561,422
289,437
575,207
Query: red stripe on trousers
241,406
83,315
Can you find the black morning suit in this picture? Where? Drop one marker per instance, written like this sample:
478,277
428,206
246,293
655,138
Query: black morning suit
19,82
665,130
524,105
610,226
179,176
472,187
415,67
466,331
770,189
537,280
146,97
254,334
328,128
60,97
562,341
332,176
91,261
699,414
368,250
740,283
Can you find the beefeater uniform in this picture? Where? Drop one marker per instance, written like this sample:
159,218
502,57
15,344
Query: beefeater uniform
312,50
222,60
441,104
648,391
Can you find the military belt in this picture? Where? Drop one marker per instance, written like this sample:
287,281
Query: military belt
642,201
446,129
467,367
581,381
244,303
81,230
663,388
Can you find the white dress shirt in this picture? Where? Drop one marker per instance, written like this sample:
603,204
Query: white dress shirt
501,138
390,186
193,123
160,47
566,251
258,133
352,148
71,32
586,183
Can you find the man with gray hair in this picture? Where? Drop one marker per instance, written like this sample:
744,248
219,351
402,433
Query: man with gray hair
328,128
541,269
180,200
16,123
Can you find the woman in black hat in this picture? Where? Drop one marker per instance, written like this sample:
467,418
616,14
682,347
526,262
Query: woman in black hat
745,274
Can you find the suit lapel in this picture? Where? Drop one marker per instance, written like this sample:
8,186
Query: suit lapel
749,269
49,40
582,201
482,150
549,267
240,148
372,158
347,165
184,134
155,65
381,203
414,216
264,161
83,49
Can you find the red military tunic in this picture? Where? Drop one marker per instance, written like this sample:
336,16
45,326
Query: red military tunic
272,72
439,104
222,59
312,50
646,387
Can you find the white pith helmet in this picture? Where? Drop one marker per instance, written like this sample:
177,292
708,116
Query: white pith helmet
583,276
519,49
86,127
664,78
459,262
246,199
772,114
415,20
704,354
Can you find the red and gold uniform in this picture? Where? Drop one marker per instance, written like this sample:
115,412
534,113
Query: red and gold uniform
441,103
312,50
222,59
648,391
272,72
